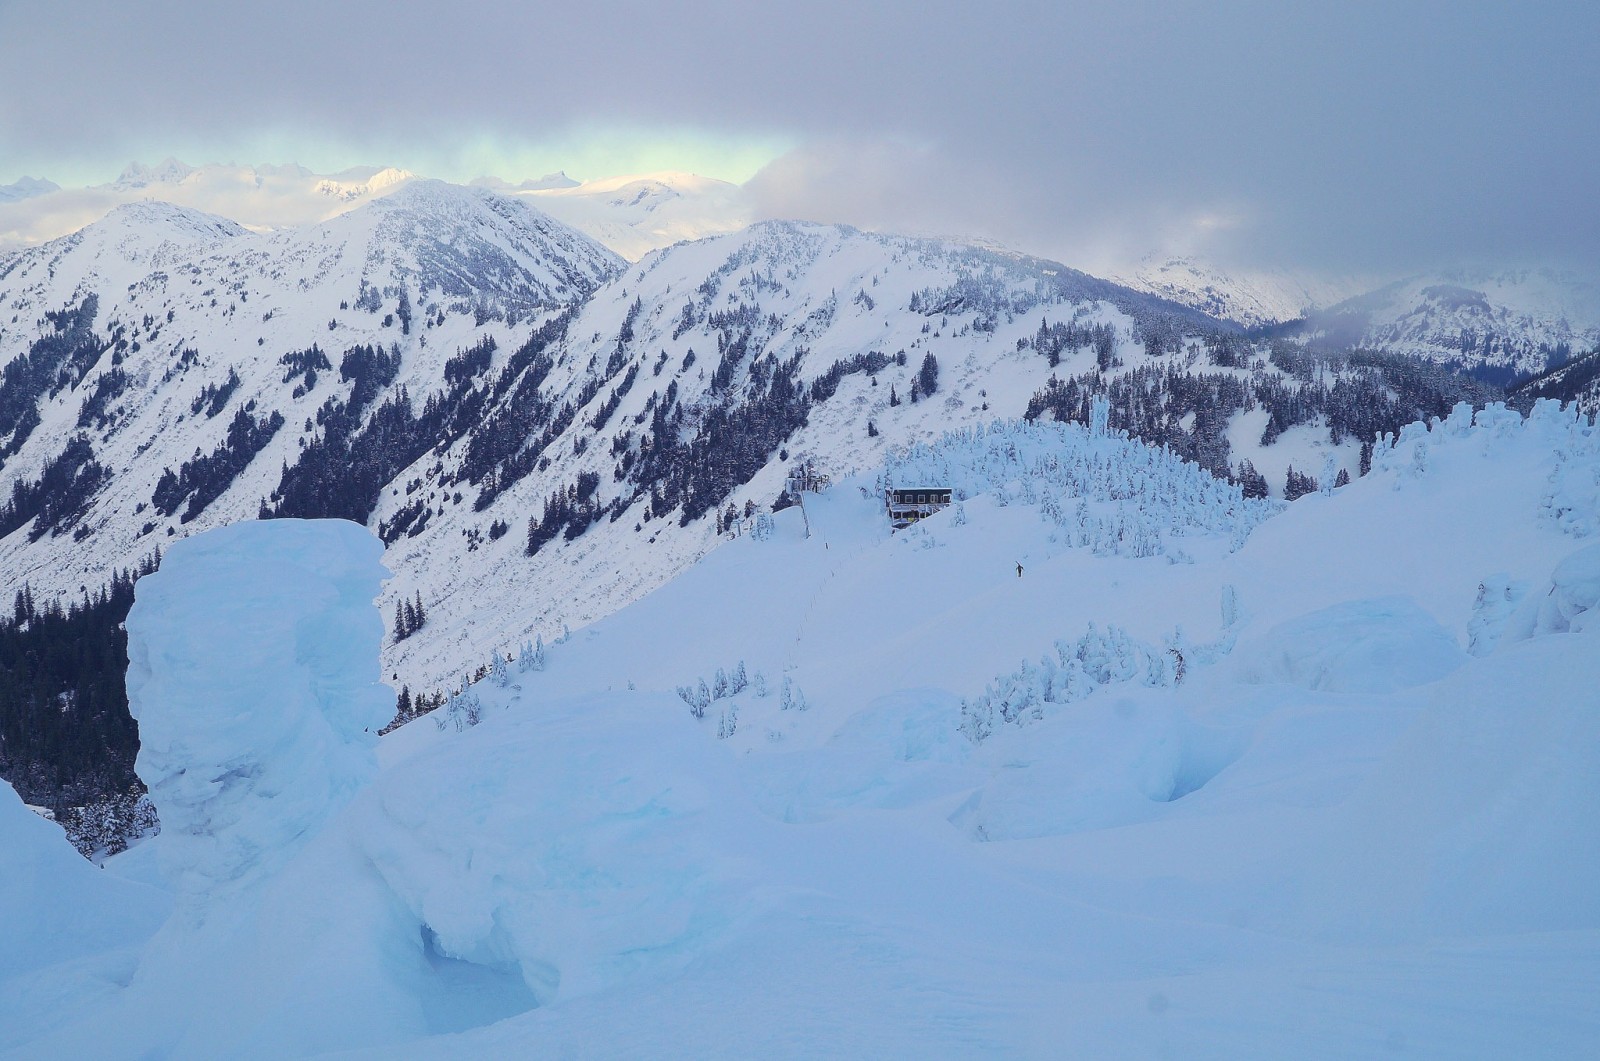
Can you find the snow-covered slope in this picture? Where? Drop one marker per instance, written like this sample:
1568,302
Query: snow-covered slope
1507,324
694,383
1318,790
181,343
539,437
1251,298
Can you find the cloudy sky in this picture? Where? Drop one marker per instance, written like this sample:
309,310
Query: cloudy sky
1349,135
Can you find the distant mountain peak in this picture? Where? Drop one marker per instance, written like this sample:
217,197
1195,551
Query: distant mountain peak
1251,297
138,175
26,188
549,182
348,190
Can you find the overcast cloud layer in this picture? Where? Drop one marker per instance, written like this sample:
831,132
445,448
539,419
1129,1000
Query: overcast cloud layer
1346,135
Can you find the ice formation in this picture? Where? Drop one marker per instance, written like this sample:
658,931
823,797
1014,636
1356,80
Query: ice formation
253,672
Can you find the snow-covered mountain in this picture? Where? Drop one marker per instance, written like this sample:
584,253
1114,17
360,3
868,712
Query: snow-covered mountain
26,188
163,367
261,198
442,361
1251,298
632,215
541,436
1506,324
193,185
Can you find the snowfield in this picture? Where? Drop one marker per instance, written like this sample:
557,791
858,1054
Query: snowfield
1252,780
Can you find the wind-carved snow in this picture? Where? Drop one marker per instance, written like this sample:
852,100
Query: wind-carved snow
1366,646
253,673
56,907
1568,603
609,864
1344,802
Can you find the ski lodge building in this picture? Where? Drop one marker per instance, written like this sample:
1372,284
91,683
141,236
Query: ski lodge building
913,503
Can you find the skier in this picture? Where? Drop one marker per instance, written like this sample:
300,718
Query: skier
1019,569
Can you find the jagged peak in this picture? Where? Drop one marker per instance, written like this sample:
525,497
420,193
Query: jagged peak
26,188
360,183
138,175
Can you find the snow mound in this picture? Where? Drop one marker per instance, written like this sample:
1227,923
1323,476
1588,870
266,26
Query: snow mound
58,906
1121,761
1567,605
613,858
1364,646
253,672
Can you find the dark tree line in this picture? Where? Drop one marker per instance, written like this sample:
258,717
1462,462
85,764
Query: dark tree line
341,473
1052,340
870,363
409,617
96,409
926,380
1578,377
60,497
202,479
568,512
53,362
1359,394
213,397
696,466
66,738
470,363
305,364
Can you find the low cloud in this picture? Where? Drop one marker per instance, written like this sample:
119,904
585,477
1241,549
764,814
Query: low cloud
1337,136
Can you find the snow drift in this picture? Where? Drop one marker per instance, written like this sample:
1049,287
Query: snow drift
1332,832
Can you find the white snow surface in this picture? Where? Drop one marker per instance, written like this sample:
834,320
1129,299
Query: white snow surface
253,674
54,906
1252,297
1519,321
1339,834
